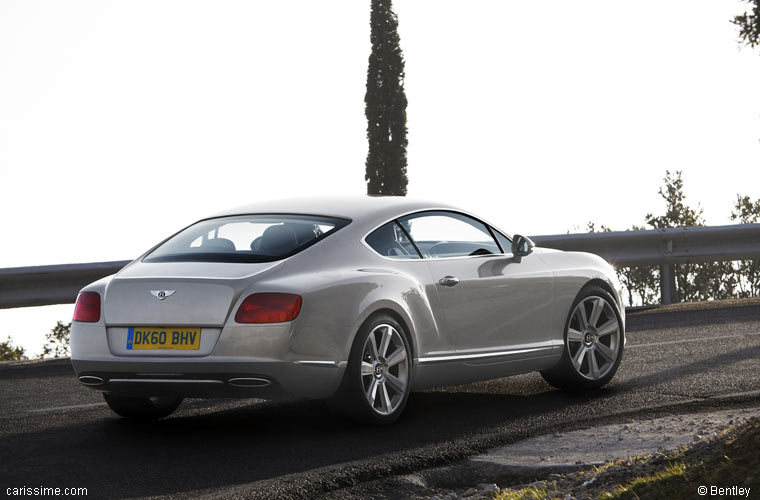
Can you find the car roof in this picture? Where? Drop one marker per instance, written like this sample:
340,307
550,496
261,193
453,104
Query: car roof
361,209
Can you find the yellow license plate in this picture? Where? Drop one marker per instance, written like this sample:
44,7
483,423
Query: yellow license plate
161,337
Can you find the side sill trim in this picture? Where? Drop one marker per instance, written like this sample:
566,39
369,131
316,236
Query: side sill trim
326,364
458,357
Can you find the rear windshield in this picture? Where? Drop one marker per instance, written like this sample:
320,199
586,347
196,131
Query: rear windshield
245,238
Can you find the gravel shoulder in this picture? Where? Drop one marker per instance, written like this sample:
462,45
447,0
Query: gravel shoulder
695,306
578,464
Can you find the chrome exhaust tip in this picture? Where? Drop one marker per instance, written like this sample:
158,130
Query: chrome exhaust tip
249,382
91,380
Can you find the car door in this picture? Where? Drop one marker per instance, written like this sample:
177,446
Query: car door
491,302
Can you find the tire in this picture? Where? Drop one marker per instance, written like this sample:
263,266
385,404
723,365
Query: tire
593,345
378,377
142,407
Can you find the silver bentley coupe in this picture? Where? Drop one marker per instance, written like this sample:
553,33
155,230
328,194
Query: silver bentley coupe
356,301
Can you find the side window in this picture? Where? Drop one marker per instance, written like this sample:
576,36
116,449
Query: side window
390,241
506,245
448,234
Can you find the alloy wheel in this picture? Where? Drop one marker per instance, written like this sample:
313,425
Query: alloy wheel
593,337
384,369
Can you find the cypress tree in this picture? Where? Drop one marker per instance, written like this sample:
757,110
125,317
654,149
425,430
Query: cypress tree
385,106
749,24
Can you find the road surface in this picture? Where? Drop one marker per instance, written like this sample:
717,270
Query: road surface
56,433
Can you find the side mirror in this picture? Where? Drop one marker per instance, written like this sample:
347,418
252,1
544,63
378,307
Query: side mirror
521,246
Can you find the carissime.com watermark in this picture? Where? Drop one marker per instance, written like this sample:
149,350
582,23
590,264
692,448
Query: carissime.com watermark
727,491
43,491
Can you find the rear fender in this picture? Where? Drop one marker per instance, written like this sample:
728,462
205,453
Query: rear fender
338,303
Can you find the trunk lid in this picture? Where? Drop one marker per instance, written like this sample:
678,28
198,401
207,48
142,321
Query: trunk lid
178,293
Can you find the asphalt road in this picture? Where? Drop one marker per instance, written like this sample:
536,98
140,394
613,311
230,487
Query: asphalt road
55,433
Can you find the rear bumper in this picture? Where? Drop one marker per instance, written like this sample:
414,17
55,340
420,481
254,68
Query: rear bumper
266,361
245,379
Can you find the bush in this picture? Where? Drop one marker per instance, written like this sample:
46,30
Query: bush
57,345
9,352
706,281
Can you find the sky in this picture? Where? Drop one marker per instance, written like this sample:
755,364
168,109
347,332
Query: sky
121,122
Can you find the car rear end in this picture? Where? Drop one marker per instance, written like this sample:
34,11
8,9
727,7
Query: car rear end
205,319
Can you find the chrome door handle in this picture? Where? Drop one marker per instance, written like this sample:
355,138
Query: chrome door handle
448,281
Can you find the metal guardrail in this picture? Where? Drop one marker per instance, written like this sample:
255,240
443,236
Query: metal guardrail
59,284
46,285
664,248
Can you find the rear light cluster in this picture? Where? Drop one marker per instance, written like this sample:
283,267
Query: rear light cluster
269,308
88,307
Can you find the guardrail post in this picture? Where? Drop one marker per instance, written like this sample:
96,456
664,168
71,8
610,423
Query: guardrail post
668,292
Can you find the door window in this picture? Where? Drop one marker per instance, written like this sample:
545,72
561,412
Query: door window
505,243
440,234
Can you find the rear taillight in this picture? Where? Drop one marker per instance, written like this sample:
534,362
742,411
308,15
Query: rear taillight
88,307
269,308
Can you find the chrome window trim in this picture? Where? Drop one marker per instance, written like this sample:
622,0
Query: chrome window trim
488,225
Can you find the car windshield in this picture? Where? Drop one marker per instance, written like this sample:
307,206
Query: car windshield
245,238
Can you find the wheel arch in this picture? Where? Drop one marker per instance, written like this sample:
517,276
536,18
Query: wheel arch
602,284
608,288
398,314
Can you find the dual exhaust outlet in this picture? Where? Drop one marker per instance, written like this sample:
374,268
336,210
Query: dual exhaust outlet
91,380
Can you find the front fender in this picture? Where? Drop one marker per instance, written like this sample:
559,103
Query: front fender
572,271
